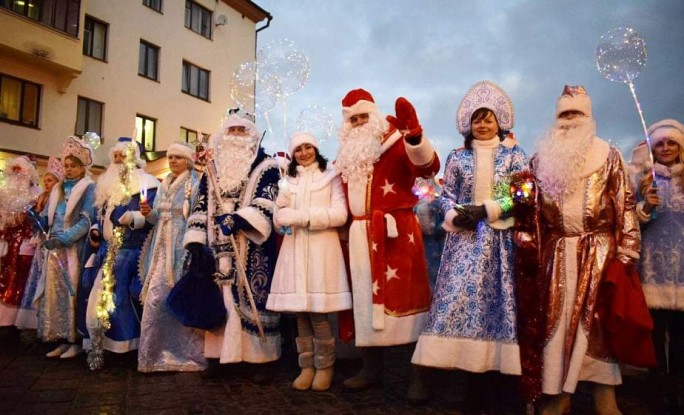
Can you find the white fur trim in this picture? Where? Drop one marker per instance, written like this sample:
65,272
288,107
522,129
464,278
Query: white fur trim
579,102
360,107
669,128
262,226
666,297
420,154
596,156
389,142
180,150
378,317
448,224
300,138
493,210
126,218
138,220
194,236
472,355
76,194
391,225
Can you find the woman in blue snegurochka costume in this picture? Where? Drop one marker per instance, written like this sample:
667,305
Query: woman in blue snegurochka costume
68,215
662,259
472,321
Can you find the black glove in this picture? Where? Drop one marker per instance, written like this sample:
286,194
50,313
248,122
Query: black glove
469,216
196,251
53,243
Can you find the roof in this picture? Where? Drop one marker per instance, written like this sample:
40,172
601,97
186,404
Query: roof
249,9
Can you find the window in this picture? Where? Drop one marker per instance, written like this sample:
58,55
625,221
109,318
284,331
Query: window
145,129
95,39
89,116
148,62
195,81
19,101
198,19
153,4
188,136
62,15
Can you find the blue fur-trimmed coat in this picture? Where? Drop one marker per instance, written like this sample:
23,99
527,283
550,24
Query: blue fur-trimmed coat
254,203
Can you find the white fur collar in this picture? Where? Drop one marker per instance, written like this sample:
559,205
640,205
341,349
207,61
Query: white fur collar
170,187
665,171
76,194
389,141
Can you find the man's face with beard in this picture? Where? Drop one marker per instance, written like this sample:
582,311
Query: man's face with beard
360,146
563,153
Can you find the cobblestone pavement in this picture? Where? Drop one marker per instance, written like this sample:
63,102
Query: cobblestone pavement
33,384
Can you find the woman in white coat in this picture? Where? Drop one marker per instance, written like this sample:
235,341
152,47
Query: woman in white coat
310,276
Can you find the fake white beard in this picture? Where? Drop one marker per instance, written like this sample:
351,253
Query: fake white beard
233,158
359,148
108,184
562,155
16,196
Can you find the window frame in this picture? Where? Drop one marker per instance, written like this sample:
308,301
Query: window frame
186,79
22,102
205,15
188,132
141,135
149,46
87,121
94,21
147,4
63,16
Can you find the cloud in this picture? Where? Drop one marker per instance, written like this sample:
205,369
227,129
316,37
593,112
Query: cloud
432,51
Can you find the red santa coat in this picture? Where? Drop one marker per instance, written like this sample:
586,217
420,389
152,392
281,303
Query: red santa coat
390,287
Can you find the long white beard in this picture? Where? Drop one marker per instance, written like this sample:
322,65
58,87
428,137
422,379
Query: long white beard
16,196
360,148
562,155
108,184
233,157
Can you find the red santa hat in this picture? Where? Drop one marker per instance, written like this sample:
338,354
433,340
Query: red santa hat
357,101
670,129
299,138
574,98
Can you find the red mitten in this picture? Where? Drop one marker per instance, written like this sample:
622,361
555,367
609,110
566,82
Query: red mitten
407,119
393,121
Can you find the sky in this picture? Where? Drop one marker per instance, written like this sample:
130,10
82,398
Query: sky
433,51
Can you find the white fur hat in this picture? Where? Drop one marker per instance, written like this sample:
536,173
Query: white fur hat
574,98
300,138
181,150
668,128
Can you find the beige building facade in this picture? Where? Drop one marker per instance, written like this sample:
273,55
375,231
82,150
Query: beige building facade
160,69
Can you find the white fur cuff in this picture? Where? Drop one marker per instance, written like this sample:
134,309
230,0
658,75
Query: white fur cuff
493,210
138,220
421,154
378,316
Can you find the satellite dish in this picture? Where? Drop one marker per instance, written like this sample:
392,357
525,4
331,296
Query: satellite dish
221,19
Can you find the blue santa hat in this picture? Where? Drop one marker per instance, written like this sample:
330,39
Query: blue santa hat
122,143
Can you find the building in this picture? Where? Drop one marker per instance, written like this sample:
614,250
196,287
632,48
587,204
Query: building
158,68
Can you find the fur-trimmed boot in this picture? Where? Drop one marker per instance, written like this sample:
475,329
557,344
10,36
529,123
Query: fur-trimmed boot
371,372
604,400
324,360
306,362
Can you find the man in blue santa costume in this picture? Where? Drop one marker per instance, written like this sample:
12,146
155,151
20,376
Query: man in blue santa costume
118,209
233,216
379,160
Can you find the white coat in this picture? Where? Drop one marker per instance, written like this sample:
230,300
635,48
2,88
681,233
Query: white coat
310,275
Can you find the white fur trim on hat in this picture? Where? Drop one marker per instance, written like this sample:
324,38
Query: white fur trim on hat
360,107
574,98
668,128
300,138
180,150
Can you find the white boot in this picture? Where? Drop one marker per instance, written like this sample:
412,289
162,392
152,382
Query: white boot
73,351
58,350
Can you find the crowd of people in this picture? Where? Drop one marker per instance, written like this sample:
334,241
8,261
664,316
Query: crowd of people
196,270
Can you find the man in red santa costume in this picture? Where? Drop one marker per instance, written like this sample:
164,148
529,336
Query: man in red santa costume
379,160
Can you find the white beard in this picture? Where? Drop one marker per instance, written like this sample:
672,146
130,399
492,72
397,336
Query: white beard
16,197
360,148
108,184
562,155
233,158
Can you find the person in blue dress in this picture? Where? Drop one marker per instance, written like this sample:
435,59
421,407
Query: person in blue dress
472,321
